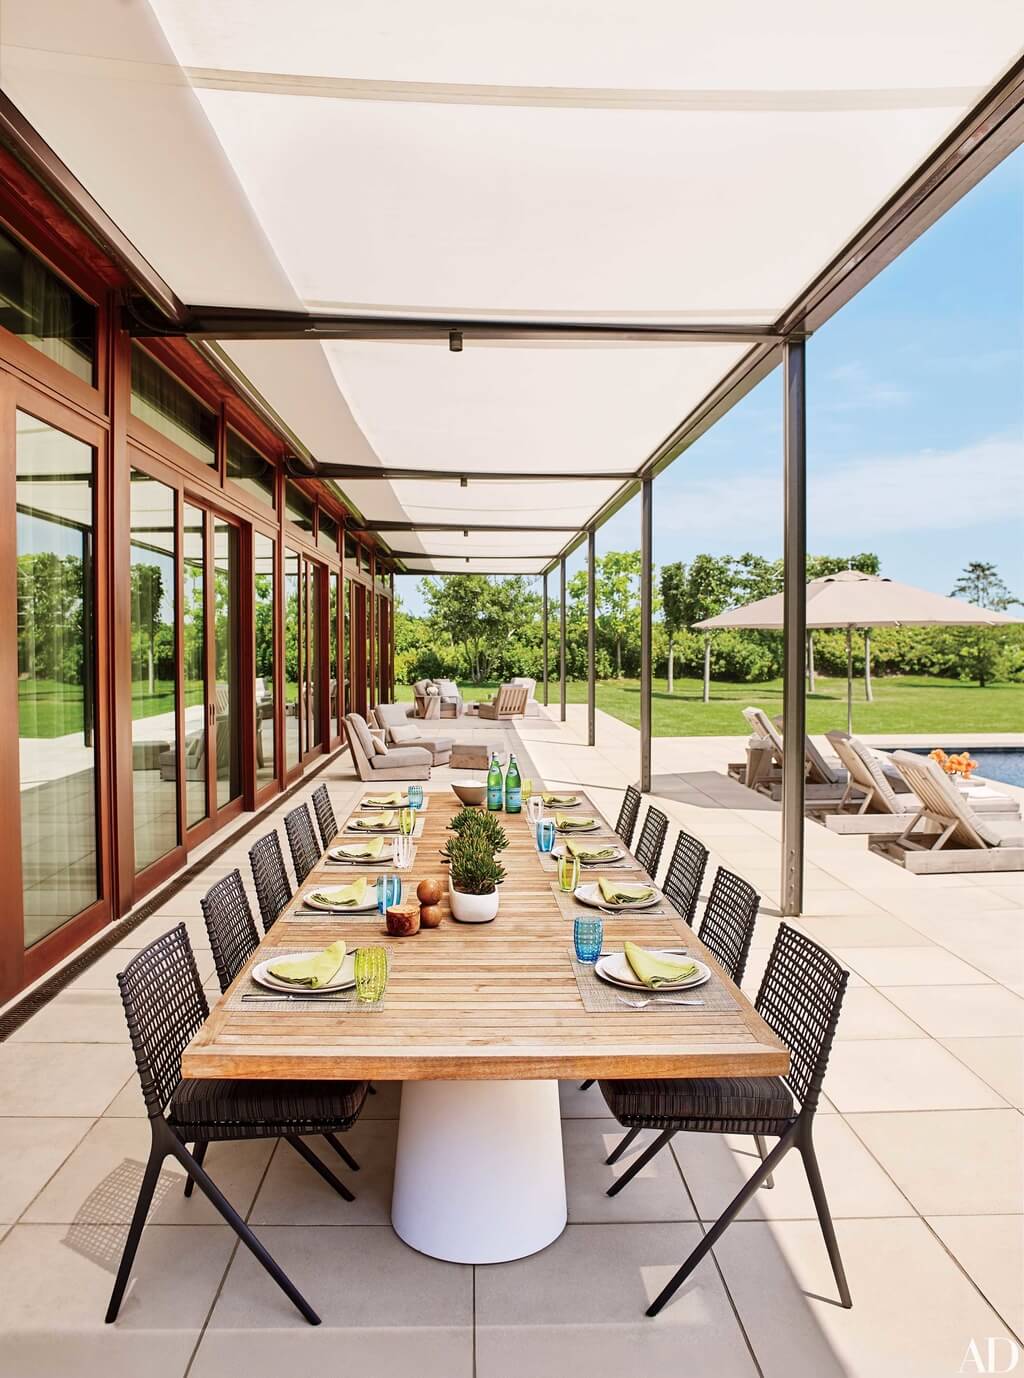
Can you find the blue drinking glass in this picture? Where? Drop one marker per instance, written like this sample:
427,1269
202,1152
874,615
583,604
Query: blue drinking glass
546,834
587,937
389,892
416,796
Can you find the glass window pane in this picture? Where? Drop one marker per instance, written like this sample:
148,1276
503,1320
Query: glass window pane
263,614
292,623
194,626
168,406
333,670
154,720
298,508
350,548
327,534
315,733
247,467
43,311
368,645
56,676
346,646
225,649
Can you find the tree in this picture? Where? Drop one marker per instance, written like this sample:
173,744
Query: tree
981,584
709,588
673,603
479,613
147,598
618,596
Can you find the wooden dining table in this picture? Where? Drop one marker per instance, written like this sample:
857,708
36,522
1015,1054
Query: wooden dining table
479,1022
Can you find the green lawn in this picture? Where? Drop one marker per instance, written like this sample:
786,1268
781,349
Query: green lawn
903,703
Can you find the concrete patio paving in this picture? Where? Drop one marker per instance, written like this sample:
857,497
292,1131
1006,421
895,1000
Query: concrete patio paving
921,1143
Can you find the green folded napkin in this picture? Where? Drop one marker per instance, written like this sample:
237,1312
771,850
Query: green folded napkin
340,894
585,853
566,823
381,801
553,800
363,849
376,820
615,892
315,971
656,971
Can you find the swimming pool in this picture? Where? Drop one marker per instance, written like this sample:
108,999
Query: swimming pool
1004,763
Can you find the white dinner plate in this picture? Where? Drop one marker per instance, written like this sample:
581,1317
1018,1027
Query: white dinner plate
338,854
574,803
591,894
344,978
365,906
617,972
354,827
383,808
573,831
617,855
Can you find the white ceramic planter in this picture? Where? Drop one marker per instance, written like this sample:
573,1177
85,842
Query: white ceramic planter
473,908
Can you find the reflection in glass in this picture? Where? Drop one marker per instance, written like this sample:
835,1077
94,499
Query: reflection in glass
333,652
154,721
56,676
193,628
368,646
263,617
247,467
44,312
327,534
315,679
298,508
168,406
346,645
292,624
225,651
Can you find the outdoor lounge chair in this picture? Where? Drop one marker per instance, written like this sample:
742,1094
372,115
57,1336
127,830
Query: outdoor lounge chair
508,702
451,702
372,763
766,752
402,730
966,841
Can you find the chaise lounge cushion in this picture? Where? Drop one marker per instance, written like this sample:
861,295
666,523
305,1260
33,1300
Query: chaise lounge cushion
725,1100
363,734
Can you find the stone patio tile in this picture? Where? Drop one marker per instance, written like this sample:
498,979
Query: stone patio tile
578,1308
387,1311
861,930
921,965
961,1011
913,1316
953,1162
901,1074
77,1016
577,1104
656,1193
77,1080
991,1249
998,1061
30,1151
102,975
868,1014
293,1194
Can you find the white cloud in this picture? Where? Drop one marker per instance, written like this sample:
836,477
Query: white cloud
853,501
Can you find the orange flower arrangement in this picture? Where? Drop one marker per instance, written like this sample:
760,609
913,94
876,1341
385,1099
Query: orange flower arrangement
961,765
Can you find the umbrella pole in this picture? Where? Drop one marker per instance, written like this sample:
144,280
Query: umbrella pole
849,680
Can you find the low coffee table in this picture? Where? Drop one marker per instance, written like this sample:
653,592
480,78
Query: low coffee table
469,756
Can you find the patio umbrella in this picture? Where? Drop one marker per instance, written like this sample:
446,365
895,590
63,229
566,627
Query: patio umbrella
851,599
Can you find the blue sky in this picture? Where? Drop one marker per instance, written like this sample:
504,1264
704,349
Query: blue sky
915,420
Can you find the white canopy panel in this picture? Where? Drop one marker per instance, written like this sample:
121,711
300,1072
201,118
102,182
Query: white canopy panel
478,566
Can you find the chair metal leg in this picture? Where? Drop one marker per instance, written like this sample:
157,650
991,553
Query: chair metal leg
762,1148
149,1180
723,1222
199,1153
304,1151
806,1147
649,1152
342,1151
586,1085
220,1202
622,1145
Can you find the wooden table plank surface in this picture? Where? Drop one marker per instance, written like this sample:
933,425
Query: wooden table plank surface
480,1002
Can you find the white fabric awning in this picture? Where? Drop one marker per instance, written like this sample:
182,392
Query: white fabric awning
624,161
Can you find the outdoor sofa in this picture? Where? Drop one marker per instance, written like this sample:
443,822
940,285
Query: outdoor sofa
375,761
401,730
446,690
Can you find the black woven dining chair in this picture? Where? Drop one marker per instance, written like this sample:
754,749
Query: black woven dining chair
273,890
800,998
685,875
165,1006
652,840
325,819
233,940
628,813
301,841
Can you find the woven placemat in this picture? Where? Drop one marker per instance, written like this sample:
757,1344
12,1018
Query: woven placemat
600,998
348,834
289,1002
570,908
627,867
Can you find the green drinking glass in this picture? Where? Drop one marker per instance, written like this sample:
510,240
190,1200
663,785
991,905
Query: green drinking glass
371,974
406,820
527,789
568,872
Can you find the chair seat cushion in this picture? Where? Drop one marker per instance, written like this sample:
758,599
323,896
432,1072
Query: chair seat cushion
264,1109
701,1102
403,756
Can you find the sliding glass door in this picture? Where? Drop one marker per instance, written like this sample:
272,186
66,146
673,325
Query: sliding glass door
305,645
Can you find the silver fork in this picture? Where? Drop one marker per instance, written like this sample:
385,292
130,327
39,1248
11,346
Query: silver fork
641,1003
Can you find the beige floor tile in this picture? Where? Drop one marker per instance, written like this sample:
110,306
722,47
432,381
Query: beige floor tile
293,1194
970,933
387,1311
961,1011
1002,964
998,1061
102,975
867,1014
77,1016
55,1284
656,1193
155,927
577,1104
954,1162
1013,894
901,1074
128,1100
31,1150
840,903
923,965
578,1307
386,1103
716,1166
862,930
991,1249
99,1182
40,1078
913,1314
